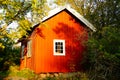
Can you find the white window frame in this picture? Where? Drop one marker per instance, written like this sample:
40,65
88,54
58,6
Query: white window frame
54,49
22,51
29,48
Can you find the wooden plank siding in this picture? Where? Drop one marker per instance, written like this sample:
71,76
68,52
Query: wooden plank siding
63,26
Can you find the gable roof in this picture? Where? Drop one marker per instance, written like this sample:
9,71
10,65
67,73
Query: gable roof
73,12
57,11
69,9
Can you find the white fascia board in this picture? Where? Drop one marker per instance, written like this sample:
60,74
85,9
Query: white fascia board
81,18
74,12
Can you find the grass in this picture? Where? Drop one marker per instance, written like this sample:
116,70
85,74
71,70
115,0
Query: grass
30,75
15,72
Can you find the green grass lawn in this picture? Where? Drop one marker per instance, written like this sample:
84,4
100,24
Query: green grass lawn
14,73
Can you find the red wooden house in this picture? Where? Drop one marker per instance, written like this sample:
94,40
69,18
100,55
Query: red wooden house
56,44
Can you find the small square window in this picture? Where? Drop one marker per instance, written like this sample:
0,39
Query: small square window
59,47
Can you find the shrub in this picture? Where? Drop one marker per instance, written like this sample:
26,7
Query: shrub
25,73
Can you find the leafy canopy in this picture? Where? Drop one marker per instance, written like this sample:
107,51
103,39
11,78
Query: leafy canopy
102,57
25,13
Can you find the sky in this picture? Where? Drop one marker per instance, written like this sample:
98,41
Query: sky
51,4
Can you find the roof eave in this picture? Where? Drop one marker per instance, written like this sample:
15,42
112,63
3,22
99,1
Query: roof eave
74,12
81,18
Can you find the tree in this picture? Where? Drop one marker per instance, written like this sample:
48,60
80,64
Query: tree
103,54
102,58
17,11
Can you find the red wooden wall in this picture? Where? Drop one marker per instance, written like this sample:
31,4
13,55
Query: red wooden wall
61,26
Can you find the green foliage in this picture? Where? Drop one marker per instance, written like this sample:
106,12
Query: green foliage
61,2
24,26
103,52
104,55
26,73
16,11
9,55
14,71
102,58
103,13
3,74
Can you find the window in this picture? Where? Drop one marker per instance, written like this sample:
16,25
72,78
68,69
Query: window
29,48
59,47
22,51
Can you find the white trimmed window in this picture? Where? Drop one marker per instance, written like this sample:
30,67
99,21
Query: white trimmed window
29,48
59,47
22,51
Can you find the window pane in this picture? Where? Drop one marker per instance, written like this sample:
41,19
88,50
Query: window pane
56,50
61,51
55,43
58,47
58,43
61,47
55,47
61,44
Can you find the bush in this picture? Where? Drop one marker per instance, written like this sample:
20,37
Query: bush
103,55
25,73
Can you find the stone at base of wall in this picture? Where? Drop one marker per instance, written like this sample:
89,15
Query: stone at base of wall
58,75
